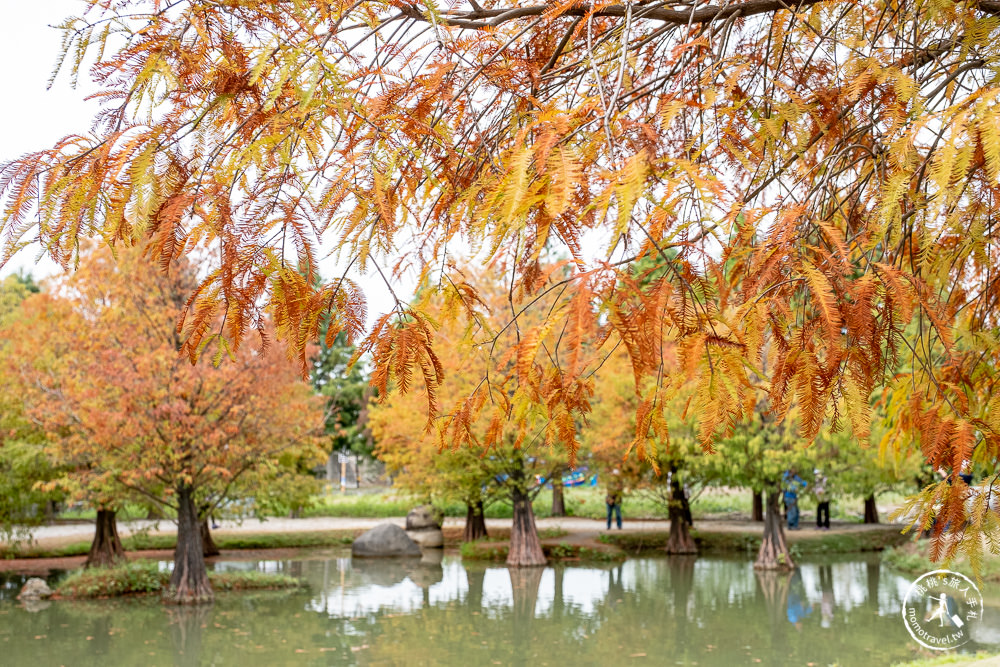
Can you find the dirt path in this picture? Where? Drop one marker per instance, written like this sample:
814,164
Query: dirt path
580,531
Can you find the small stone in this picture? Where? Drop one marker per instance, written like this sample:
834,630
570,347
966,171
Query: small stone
427,538
423,517
385,540
34,589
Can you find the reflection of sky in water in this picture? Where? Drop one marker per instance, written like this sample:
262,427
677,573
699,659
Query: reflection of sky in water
356,589
346,588
710,611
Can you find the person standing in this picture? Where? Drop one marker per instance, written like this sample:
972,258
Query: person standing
793,484
822,500
614,498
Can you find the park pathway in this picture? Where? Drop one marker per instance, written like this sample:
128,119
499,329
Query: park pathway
579,531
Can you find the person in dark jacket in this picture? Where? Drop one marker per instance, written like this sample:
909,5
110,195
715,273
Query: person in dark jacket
614,498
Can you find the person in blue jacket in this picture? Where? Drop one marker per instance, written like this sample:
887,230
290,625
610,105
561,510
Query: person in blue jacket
792,484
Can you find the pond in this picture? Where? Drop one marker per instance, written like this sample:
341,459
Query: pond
655,611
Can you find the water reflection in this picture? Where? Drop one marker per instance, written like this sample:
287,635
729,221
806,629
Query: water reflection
682,610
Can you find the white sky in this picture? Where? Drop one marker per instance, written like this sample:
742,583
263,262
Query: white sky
33,118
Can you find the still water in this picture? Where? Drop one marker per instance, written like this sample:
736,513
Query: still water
657,611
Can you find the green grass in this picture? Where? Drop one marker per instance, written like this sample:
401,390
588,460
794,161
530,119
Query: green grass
146,542
486,550
913,558
581,501
144,577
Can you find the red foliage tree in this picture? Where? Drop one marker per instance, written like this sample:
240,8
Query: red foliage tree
102,370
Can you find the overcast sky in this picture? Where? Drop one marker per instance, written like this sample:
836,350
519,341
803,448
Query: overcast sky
33,117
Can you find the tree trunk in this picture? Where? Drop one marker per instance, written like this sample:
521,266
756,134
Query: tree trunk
774,554
757,513
558,499
680,541
475,522
525,547
208,545
106,549
189,581
50,512
871,511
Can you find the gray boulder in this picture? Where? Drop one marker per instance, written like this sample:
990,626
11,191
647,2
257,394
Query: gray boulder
385,540
34,589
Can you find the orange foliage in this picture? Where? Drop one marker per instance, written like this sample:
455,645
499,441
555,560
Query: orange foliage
100,370
825,208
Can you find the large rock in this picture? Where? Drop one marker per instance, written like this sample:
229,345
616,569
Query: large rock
34,589
385,541
422,518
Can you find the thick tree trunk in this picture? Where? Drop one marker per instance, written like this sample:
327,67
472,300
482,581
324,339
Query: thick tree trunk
774,554
106,549
871,511
525,547
189,581
680,541
475,522
558,498
757,513
208,545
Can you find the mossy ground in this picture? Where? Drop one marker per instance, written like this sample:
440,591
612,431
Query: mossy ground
145,577
913,558
555,552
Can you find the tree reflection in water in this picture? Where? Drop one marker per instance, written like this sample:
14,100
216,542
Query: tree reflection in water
676,610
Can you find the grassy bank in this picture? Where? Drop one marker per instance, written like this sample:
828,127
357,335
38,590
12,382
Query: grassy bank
800,543
913,558
144,542
489,550
145,577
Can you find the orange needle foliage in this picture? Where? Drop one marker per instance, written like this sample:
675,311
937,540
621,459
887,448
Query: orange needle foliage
826,175
100,367
491,440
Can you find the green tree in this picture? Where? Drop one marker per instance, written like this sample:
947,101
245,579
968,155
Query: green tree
24,468
756,456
